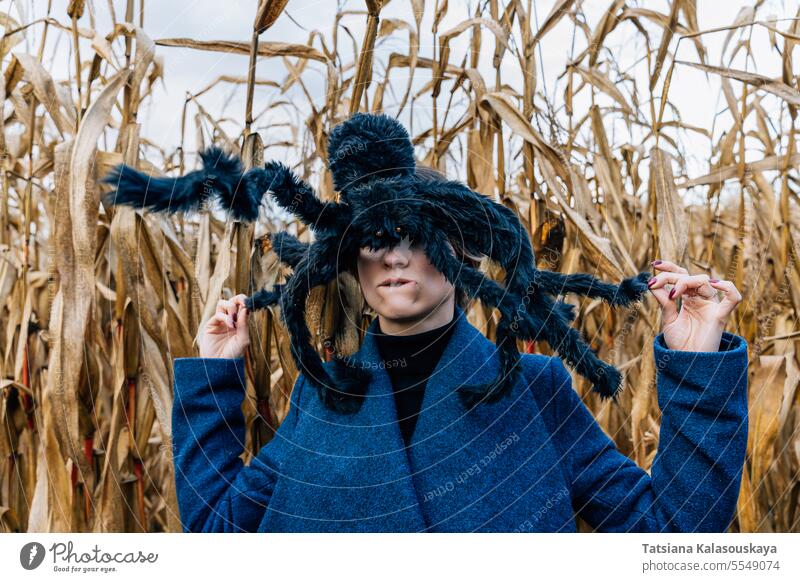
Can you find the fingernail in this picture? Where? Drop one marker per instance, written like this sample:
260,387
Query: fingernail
671,293
234,319
651,281
657,262
714,280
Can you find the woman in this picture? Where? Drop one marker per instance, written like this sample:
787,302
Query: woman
411,460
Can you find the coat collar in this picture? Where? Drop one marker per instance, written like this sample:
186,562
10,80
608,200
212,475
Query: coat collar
467,359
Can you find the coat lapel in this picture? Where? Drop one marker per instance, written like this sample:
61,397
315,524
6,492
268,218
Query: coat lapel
348,472
467,359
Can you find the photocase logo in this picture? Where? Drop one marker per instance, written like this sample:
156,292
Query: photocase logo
31,555
67,558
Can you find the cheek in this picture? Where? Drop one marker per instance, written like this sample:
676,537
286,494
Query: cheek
361,269
439,285
435,282
366,265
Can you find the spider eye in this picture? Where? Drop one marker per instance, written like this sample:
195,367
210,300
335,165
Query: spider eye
379,232
398,229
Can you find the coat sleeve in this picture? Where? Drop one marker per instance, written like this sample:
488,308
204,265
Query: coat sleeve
694,482
216,491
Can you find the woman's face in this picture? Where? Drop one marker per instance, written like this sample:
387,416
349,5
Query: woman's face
408,294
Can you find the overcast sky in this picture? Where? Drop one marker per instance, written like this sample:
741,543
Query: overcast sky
697,97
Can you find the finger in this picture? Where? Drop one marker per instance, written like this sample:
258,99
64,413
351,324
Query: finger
694,286
731,297
666,278
220,323
216,320
223,306
669,309
241,326
228,321
238,305
235,312
669,266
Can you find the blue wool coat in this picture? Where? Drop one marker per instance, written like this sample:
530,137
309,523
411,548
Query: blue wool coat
530,462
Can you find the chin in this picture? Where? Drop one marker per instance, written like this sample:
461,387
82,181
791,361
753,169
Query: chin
401,310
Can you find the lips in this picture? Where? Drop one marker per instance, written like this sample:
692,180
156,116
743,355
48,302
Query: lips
396,282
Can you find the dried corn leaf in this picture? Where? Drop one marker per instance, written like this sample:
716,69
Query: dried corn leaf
777,88
265,48
671,217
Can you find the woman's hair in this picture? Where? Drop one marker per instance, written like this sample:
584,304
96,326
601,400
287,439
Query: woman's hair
471,260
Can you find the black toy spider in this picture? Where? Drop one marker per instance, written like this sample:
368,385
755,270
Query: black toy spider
384,200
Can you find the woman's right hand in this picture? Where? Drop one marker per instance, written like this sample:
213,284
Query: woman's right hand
225,334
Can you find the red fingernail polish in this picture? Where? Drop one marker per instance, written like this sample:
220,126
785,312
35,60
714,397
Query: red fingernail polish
658,262
714,280
671,293
651,281
234,319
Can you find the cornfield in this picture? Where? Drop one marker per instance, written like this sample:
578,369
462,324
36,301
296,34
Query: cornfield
98,301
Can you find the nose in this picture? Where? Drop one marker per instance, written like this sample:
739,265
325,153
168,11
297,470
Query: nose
396,256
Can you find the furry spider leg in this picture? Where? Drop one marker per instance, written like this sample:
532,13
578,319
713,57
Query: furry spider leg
182,195
223,177
494,235
493,230
568,343
498,234
289,248
630,290
290,251
490,293
298,197
320,266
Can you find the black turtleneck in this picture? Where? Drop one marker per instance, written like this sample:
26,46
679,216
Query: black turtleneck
410,360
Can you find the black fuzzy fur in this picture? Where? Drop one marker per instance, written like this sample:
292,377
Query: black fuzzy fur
368,146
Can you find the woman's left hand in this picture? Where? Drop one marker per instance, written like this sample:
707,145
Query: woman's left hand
699,325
